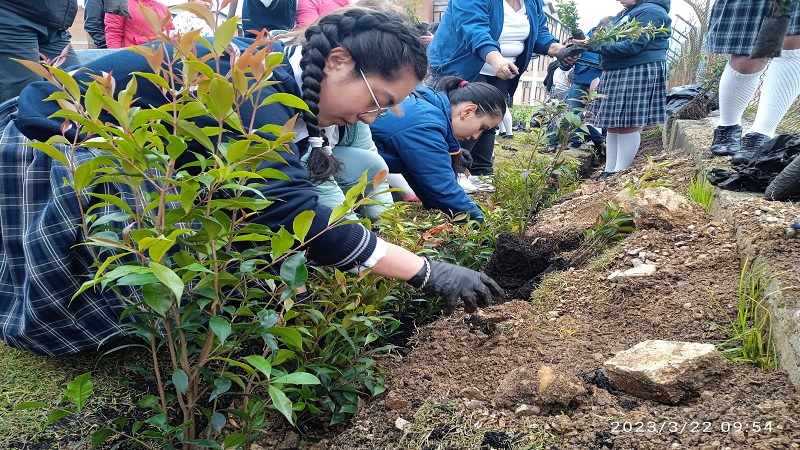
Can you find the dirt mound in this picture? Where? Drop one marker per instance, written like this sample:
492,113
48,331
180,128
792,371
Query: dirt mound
474,382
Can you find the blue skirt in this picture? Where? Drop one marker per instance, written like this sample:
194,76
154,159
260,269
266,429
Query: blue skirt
632,96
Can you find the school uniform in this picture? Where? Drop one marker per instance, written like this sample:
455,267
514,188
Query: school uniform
734,25
633,83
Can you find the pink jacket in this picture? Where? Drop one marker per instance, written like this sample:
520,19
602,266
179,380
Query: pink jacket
309,10
123,32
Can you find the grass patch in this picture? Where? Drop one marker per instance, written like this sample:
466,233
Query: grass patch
702,191
25,377
749,329
652,132
446,425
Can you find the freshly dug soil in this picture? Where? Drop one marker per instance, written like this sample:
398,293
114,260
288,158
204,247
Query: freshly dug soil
451,388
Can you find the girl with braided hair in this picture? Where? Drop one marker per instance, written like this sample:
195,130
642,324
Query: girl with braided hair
355,65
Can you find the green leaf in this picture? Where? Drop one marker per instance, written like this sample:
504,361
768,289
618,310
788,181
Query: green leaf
93,100
169,278
221,386
259,363
268,318
157,297
297,378
281,242
57,415
281,403
180,380
289,336
51,151
30,405
294,271
100,436
302,223
234,440
221,327
287,100
218,421
224,33
79,390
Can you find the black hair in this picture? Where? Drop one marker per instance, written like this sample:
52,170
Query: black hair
433,27
379,43
488,98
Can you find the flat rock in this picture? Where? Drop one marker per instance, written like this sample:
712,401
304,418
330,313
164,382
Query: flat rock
666,371
657,207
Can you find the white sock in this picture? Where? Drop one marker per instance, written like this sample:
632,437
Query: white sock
780,89
627,147
507,123
611,152
735,92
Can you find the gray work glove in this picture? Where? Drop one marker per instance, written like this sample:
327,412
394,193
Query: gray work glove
453,282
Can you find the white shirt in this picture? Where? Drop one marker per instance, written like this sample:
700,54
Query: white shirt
516,29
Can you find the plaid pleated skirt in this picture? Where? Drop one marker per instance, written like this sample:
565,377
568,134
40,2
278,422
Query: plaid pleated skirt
735,23
633,96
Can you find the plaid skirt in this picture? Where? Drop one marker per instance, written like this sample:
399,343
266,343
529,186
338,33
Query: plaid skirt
735,24
633,96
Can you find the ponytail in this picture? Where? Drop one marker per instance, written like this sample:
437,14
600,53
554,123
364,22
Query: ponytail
488,99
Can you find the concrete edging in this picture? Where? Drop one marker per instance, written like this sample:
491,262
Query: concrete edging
694,137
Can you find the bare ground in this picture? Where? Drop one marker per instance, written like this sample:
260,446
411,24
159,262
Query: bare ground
452,387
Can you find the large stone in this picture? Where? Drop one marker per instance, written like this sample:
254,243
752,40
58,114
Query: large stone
665,371
657,207
547,389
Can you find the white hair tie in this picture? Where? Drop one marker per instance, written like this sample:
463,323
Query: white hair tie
326,149
315,141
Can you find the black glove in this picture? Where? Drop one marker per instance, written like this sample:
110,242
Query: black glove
453,282
466,156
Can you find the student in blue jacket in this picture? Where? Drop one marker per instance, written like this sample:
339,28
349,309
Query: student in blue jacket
492,41
419,142
633,83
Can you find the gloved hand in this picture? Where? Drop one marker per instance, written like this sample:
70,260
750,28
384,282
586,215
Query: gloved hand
453,282
466,156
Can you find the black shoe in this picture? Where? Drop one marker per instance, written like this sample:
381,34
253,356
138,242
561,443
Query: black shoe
605,176
751,142
507,136
726,140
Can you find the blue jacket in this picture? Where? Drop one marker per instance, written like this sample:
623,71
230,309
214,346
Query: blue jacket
418,144
630,53
469,30
587,68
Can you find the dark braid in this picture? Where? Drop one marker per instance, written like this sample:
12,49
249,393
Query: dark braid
378,43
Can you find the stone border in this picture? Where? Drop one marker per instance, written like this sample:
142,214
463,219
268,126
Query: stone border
694,137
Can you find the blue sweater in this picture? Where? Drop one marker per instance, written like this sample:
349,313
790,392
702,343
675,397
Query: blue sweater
469,30
587,68
418,144
630,53
279,15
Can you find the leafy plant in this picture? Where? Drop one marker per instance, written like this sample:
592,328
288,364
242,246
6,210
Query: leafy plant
211,294
537,179
568,14
631,29
702,191
652,177
612,225
750,331
77,394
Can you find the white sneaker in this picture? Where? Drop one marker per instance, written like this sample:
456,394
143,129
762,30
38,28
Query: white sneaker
482,183
466,184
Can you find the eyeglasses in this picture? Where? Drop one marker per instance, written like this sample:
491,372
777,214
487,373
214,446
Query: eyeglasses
376,113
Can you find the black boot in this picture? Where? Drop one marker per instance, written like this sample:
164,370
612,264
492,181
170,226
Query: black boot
751,142
726,140
605,175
